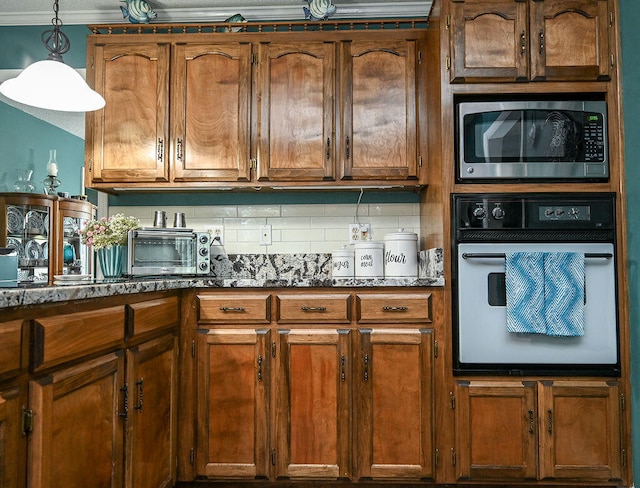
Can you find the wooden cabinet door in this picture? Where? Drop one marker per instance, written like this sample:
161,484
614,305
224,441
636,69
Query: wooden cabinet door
496,434
210,112
77,432
129,136
488,40
233,378
150,438
312,384
570,40
296,106
395,404
379,117
13,441
580,430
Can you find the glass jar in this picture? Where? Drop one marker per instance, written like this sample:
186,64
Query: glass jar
23,182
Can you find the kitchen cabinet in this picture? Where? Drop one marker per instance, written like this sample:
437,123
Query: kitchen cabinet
78,408
128,140
45,233
150,445
13,397
535,432
313,376
395,414
292,386
379,104
276,109
511,40
296,111
103,385
210,112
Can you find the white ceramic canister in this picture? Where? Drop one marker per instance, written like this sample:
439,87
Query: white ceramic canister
342,263
401,255
369,259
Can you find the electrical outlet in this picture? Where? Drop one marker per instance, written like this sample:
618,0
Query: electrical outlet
217,234
359,233
265,235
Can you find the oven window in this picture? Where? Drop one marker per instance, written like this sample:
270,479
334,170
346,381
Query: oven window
497,290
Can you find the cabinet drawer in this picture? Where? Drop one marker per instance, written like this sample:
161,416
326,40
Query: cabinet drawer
332,309
64,337
10,347
394,308
234,309
152,315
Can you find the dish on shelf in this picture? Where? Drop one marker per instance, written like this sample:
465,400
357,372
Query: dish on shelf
32,250
45,225
14,243
44,250
34,222
15,220
72,277
71,226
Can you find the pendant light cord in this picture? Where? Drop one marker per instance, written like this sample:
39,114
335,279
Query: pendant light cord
56,42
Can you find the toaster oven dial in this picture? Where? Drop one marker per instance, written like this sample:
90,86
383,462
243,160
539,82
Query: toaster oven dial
203,238
203,266
203,251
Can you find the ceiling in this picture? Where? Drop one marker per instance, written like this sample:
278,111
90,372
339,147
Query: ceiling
40,12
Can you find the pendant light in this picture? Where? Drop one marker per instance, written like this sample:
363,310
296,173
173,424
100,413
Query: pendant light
51,84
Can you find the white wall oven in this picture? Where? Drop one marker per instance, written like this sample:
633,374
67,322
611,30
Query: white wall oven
536,315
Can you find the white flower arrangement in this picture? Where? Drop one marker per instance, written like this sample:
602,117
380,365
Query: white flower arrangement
108,232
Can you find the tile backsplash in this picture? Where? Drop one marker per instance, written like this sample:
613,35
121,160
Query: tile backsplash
312,228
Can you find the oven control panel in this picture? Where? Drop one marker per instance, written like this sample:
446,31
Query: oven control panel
564,212
531,211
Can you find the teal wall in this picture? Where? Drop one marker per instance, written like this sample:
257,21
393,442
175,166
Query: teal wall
629,22
25,143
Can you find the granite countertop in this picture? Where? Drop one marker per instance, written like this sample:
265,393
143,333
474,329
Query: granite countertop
242,271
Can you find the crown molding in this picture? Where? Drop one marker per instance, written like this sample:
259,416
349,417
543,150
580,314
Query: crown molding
398,9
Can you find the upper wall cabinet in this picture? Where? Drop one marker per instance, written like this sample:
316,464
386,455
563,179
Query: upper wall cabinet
521,40
296,111
128,140
249,109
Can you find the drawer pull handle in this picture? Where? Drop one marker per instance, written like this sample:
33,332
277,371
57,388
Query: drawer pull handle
313,309
232,309
395,309
531,422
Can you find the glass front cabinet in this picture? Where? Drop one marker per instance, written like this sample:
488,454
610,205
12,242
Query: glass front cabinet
44,231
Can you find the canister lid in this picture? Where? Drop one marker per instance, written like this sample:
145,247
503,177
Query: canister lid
401,236
369,245
343,253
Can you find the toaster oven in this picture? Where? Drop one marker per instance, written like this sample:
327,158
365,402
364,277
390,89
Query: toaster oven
155,251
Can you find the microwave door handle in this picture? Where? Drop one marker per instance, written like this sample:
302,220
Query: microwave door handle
492,255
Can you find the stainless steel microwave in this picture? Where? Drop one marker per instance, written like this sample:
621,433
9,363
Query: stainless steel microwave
158,251
539,140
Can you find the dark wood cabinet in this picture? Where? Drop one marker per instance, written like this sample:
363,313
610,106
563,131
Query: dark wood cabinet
128,140
544,430
513,40
280,109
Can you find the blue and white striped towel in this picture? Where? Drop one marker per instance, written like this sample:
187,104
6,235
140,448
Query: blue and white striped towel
545,293
524,280
564,293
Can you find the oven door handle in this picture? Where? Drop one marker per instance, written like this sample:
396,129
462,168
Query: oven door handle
497,255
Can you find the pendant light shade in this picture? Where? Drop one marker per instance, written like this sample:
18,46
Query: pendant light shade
51,84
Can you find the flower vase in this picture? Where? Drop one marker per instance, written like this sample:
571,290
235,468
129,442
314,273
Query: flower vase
111,260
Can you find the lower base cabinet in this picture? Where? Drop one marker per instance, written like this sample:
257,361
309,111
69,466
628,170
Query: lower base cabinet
301,399
77,435
13,444
538,430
